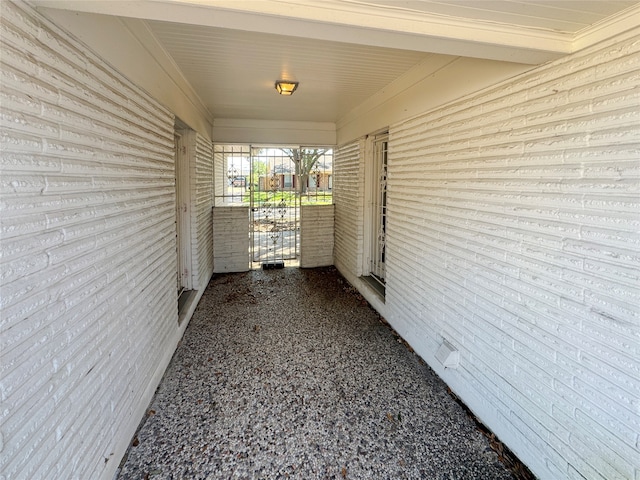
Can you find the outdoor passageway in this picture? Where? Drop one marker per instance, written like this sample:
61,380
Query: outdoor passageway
290,374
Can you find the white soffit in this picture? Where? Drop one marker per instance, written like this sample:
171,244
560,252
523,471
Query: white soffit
523,31
347,54
234,71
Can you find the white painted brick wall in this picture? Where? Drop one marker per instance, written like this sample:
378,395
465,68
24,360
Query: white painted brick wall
348,194
219,176
88,316
201,168
230,239
316,235
513,232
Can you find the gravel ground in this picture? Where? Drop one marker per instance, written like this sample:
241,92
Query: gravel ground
290,374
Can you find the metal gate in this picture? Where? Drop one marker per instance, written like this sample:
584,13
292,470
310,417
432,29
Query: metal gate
275,207
272,182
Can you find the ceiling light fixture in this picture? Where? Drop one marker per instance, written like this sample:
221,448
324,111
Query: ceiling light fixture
285,87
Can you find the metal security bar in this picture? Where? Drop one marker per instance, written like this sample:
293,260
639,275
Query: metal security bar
232,174
273,182
378,222
275,207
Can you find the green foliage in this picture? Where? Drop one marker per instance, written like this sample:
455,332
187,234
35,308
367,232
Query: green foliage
259,168
289,198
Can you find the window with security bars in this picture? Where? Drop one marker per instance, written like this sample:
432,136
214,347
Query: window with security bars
378,212
273,182
240,170
232,174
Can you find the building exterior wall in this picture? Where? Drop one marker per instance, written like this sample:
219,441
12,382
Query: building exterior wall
348,197
427,86
273,132
316,235
89,316
128,45
513,230
201,153
513,234
219,177
349,166
230,239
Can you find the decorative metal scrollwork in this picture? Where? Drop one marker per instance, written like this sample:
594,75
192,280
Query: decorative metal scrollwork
274,183
383,179
274,213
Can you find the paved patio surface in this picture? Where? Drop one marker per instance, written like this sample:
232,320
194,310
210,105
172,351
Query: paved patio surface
290,374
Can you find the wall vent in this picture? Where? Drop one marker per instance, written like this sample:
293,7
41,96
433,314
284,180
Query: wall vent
447,355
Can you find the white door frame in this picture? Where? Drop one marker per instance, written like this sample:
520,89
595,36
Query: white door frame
183,213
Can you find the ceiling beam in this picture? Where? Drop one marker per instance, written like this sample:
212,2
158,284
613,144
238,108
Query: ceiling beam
344,21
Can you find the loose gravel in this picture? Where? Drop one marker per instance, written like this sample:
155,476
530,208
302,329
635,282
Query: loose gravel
290,374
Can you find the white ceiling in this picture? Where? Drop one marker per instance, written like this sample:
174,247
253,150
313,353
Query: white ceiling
234,71
344,51
569,16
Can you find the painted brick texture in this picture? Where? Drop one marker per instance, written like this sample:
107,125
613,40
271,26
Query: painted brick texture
89,308
348,194
316,235
201,166
513,221
219,176
230,239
